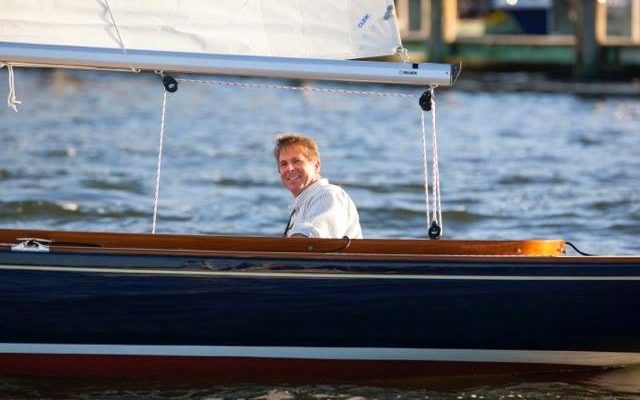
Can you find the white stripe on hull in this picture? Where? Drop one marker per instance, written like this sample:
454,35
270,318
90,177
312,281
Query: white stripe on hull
587,358
316,275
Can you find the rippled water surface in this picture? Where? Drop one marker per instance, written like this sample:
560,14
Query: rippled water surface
617,385
81,155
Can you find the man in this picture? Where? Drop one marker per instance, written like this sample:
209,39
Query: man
319,209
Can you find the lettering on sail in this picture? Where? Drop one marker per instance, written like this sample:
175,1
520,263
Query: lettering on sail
363,20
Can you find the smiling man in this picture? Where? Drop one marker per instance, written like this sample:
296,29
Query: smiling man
319,209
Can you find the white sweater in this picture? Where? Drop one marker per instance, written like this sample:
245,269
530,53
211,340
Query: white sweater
324,210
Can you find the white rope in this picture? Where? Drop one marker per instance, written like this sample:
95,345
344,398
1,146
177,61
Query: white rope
300,88
156,199
433,208
120,41
425,169
437,209
403,53
12,102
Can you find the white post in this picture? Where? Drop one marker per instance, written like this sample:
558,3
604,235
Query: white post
635,21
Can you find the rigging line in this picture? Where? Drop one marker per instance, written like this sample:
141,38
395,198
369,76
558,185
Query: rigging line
425,168
12,102
156,197
403,53
435,161
300,88
120,41
573,246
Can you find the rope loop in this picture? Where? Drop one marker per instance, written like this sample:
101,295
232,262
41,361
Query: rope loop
12,102
403,53
437,210
433,208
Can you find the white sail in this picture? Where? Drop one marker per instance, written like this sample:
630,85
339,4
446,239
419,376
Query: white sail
326,29
300,39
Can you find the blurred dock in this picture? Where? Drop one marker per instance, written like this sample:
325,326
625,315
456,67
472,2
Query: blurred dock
577,41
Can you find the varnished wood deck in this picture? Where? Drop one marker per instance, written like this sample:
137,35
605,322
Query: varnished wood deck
212,243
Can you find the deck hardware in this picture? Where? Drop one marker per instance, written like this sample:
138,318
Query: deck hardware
434,230
170,84
32,245
425,101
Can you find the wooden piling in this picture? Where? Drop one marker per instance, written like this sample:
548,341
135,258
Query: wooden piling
444,18
590,25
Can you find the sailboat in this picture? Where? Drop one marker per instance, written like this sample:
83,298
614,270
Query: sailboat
257,308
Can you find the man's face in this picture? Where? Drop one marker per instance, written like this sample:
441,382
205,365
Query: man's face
297,172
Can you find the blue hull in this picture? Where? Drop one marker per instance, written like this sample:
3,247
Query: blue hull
44,306
479,314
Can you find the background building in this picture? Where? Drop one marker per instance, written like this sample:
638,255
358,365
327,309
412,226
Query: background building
591,38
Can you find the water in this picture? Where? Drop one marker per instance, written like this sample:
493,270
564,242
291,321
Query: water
606,386
81,155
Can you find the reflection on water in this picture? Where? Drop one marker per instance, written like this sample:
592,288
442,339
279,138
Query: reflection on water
81,155
622,380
